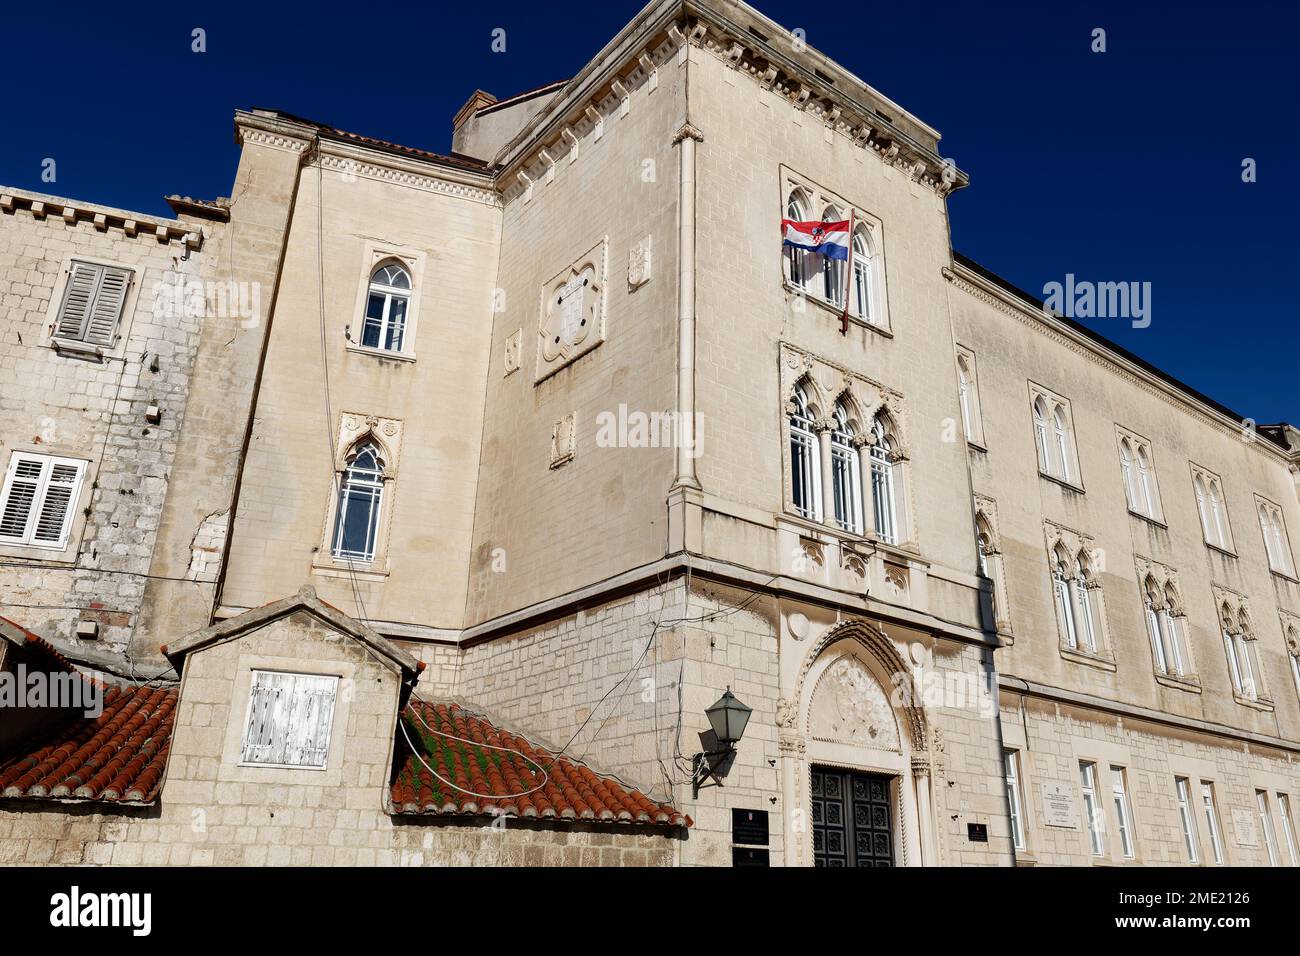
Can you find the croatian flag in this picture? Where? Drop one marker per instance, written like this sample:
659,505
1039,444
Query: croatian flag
830,239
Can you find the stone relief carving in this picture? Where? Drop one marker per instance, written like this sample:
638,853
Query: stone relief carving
640,263
513,345
564,440
572,312
849,705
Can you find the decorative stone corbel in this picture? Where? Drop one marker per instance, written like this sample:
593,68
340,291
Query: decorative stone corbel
567,135
735,53
769,76
651,71
526,181
597,120
101,222
550,165
624,97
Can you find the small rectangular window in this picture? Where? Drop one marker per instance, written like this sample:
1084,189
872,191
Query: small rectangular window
1186,815
1092,807
1123,813
92,304
1015,801
38,500
1288,827
1266,825
1212,820
289,720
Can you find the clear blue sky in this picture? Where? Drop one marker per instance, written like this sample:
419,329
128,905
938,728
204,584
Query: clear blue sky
1122,166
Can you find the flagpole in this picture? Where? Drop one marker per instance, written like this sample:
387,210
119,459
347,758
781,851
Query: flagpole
848,276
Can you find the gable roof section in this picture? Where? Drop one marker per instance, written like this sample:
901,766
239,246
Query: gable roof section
495,771
304,600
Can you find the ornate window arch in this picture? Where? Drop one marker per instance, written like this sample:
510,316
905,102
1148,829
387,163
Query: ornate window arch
1054,435
1241,648
1087,593
1062,580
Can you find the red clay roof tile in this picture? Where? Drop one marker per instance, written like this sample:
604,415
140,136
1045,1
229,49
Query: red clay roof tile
117,757
522,780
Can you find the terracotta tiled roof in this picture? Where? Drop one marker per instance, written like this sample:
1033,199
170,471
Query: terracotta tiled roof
467,162
117,757
570,792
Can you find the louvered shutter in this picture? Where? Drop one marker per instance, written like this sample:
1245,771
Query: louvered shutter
39,496
92,303
22,484
56,509
78,300
107,308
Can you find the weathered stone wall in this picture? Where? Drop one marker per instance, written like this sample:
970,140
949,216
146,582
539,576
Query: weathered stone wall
55,403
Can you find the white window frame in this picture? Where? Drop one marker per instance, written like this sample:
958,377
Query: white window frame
293,685
805,457
391,295
375,487
1288,826
1183,790
846,476
807,273
1212,508
1137,465
968,397
1123,811
1210,807
1015,797
1094,816
1266,823
42,483
375,255
884,484
1277,543
1053,423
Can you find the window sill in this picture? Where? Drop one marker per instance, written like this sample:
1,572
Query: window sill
380,353
974,445
1063,482
836,310
1149,519
1262,704
1099,661
79,350
1222,550
371,571
1190,683
45,555
1285,575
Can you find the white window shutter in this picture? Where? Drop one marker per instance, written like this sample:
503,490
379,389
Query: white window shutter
107,308
39,497
22,484
78,299
56,509
289,720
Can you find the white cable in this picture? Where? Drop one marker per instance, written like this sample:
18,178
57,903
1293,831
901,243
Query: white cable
485,796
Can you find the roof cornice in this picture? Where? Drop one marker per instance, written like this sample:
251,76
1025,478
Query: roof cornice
980,287
73,211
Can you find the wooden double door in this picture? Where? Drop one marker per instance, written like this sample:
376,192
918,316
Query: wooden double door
851,818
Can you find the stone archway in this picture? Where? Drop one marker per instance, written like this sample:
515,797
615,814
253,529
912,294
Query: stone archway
845,715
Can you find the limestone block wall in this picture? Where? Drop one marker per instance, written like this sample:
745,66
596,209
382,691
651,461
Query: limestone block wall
1051,740
55,403
444,223
1013,347
541,531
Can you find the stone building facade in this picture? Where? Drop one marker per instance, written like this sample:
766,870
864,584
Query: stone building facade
996,591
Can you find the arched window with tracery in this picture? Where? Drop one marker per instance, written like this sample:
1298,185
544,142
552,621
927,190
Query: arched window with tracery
884,492
805,458
845,472
360,505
